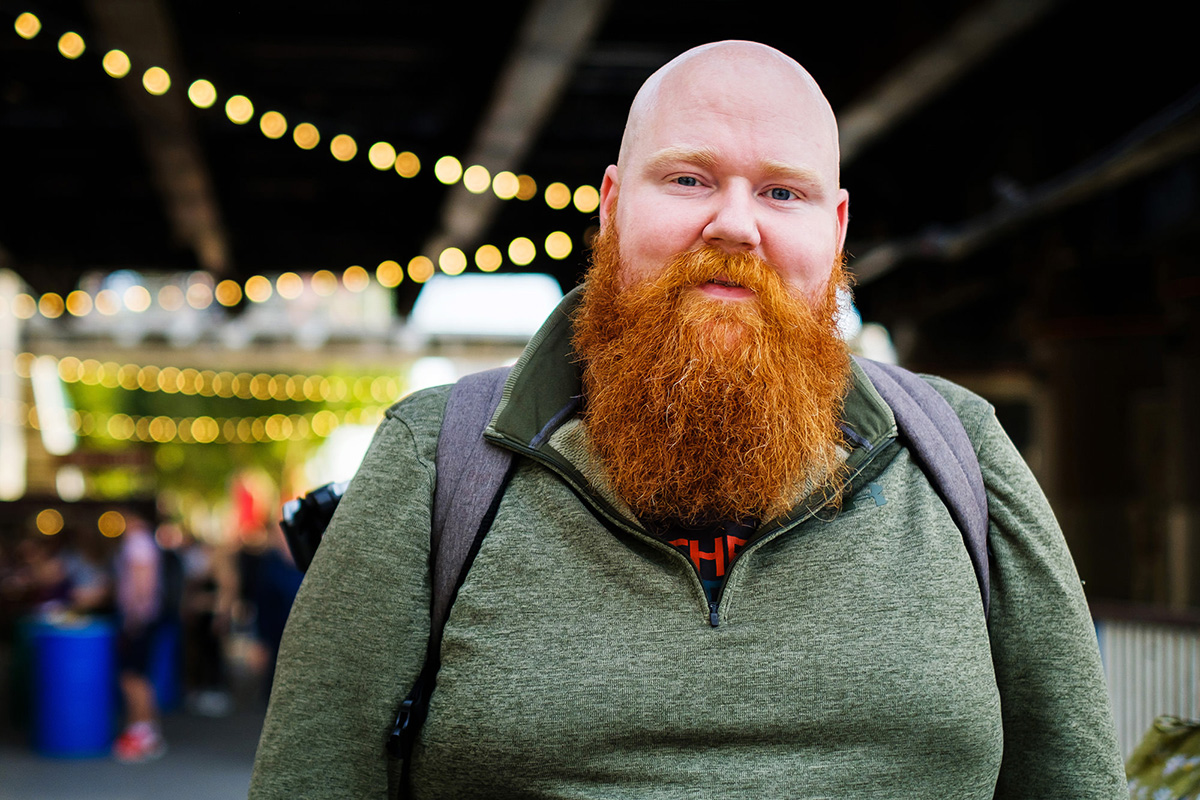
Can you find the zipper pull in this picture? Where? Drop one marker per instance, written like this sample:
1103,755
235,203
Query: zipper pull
714,618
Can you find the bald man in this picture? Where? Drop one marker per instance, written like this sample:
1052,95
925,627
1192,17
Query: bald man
715,571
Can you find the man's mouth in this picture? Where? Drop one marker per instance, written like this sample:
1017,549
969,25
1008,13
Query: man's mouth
724,282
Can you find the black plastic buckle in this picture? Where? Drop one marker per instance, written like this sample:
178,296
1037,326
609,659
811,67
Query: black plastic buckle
400,730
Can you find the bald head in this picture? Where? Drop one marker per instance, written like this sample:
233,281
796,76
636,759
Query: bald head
751,76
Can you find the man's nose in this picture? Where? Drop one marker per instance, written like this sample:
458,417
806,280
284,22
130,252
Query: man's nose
734,223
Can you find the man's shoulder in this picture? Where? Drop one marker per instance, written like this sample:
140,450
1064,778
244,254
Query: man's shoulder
973,410
422,410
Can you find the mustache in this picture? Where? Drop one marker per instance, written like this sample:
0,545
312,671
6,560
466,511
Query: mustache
708,263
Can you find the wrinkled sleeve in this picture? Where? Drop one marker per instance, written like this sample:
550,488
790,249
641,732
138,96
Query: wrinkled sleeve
356,636
1059,736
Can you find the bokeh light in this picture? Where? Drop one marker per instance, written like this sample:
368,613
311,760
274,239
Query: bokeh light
24,306
273,125
171,298
71,45
488,258
202,93
136,298
306,136
27,25
586,199
156,81
382,156
448,169
111,523
228,293
506,185
289,285
324,283
51,305
49,521
239,109
356,279
477,179
558,196
527,187
522,251
258,289
420,269
116,63
79,303
408,165
452,261
558,245
343,147
389,274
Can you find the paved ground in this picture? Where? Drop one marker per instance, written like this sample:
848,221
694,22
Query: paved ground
206,758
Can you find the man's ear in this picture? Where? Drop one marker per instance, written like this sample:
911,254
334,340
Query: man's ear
608,194
843,217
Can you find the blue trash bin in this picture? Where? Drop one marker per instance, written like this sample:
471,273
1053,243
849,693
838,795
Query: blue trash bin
74,688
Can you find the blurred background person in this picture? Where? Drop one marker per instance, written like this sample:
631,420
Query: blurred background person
209,591
139,606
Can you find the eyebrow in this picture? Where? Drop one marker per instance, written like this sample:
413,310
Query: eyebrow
706,158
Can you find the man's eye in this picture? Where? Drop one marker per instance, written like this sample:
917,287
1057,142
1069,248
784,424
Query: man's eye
687,180
779,193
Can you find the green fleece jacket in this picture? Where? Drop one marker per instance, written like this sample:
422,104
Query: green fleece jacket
852,658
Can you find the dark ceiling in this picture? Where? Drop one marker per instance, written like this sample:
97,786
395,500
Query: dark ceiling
1024,163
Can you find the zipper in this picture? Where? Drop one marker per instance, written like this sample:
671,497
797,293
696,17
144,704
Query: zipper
714,606
605,508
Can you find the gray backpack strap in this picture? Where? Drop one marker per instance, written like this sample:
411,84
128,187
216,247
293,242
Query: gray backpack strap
470,473
937,439
470,480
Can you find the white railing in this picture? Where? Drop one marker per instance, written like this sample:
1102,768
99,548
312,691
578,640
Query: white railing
1153,668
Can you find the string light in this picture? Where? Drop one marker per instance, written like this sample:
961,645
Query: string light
452,261
420,269
521,251
558,196
273,125
488,258
343,147
156,81
389,274
239,109
116,63
306,136
586,199
71,45
27,25
382,156
506,185
202,93
477,179
558,245
448,170
205,429
191,382
407,165
356,279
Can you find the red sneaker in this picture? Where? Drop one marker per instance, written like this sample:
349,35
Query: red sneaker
138,744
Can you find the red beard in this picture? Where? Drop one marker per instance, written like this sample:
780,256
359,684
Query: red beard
705,410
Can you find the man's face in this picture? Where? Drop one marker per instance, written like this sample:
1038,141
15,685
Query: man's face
737,153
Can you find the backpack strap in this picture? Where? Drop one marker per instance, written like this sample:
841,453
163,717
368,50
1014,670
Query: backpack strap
936,438
471,477
470,473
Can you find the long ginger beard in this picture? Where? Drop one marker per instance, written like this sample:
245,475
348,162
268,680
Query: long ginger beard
705,410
